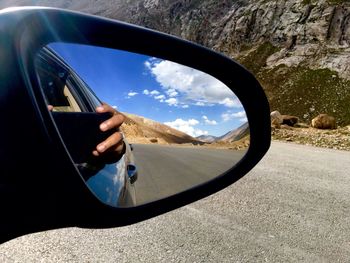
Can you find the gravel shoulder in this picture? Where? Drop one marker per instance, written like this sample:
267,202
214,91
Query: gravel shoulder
338,139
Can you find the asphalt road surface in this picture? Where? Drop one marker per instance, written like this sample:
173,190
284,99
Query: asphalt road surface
167,170
294,206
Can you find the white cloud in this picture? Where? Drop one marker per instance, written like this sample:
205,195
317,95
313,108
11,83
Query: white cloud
185,106
241,115
231,103
154,92
187,127
151,93
200,103
193,122
172,102
203,104
172,92
209,122
160,97
193,86
132,94
115,107
148,64
200,132
226,116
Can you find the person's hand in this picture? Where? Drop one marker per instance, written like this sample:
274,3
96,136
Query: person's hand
114,144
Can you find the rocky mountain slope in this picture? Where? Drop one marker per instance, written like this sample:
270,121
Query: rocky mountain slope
138,129
237,139
141,130
235,134
231,136
298,49
207,138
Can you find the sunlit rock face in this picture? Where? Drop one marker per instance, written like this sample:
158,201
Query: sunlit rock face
296,48
305,31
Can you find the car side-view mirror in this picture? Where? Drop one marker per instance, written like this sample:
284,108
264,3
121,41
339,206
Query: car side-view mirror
186,127
195,121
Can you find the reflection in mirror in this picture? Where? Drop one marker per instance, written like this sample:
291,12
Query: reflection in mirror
182,126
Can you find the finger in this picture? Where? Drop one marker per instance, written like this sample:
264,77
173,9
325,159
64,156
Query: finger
50,107
112,143
114,122
118,148
106,108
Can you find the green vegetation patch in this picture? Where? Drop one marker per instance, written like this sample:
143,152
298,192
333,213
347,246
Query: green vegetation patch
300,91
305,93
306,2
256,59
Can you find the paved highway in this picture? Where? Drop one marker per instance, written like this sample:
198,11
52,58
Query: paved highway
166,170
294,206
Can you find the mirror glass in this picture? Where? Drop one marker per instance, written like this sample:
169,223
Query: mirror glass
182,127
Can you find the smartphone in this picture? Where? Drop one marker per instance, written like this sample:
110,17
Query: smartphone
80,132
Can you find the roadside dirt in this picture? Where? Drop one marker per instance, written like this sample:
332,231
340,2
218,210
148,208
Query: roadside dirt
335,139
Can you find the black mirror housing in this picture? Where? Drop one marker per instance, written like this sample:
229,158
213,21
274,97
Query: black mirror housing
40,188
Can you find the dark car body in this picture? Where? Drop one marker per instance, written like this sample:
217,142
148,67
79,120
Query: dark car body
74,112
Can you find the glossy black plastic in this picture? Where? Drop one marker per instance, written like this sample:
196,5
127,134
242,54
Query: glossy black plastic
40,187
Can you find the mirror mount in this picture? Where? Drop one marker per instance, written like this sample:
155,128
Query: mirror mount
132,173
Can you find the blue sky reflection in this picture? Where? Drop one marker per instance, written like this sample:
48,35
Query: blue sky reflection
184,98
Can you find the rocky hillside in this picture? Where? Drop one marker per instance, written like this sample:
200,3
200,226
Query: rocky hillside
298,49
141,130
231,136
237,139
138,129
236,134
338,139
207,138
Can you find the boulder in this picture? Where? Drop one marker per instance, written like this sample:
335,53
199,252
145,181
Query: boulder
301,125
276,117
275,124
323,121
290,120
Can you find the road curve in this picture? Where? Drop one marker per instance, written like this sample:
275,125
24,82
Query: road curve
294,206
164,170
